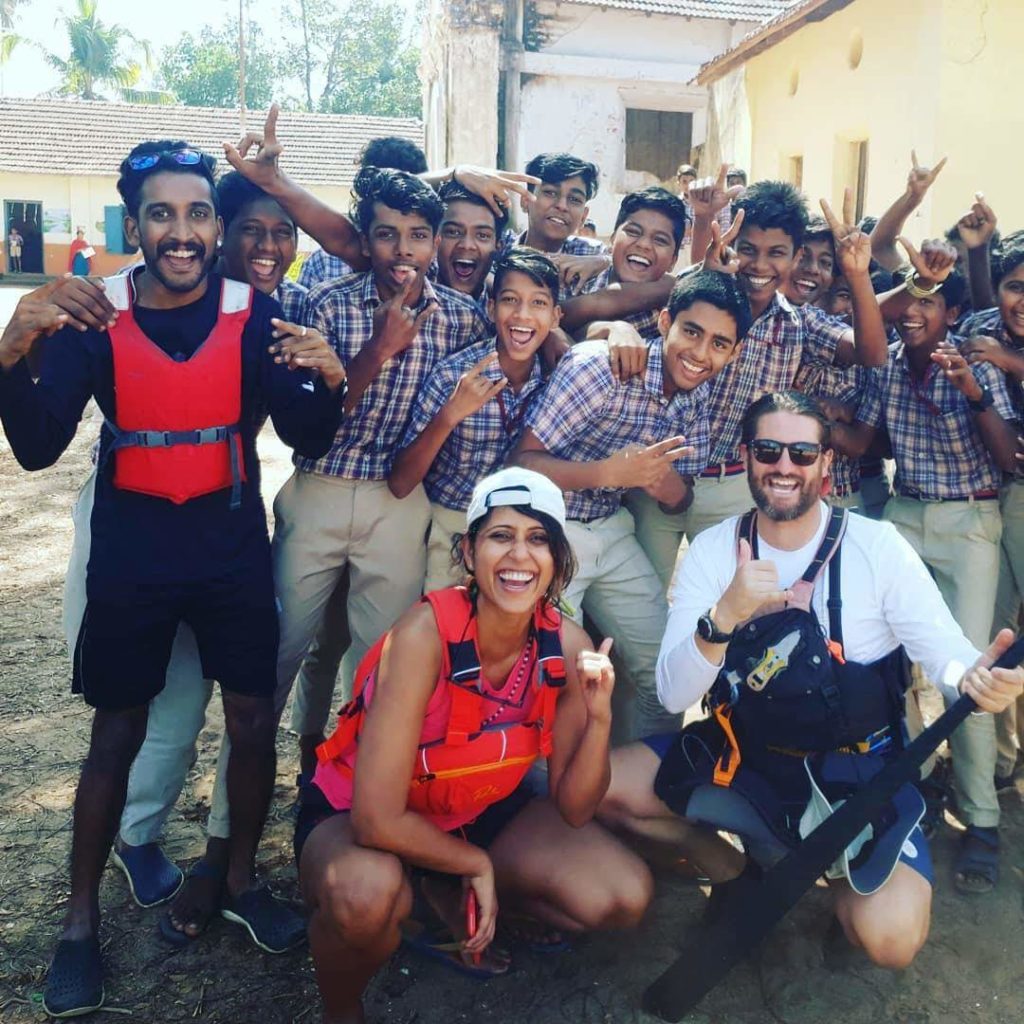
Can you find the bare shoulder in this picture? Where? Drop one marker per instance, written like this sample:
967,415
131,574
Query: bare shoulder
574,640
416,630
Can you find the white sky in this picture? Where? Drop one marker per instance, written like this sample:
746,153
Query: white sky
28,74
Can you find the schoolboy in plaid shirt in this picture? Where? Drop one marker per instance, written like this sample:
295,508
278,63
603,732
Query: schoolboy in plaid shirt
596,437
996,336
768,236
390,327
470,415
952,432
645,246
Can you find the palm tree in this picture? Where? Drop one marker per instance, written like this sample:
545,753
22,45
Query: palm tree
100,54
9,39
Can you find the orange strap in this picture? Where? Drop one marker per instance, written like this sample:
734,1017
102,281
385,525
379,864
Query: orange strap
729,759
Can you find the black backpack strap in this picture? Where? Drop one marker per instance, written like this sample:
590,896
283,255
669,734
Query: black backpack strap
829,544
464,661
746,529
835,600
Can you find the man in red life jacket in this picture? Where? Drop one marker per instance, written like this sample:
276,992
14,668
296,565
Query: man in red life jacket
183,375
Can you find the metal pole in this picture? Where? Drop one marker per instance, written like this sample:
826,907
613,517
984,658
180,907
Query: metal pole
241,64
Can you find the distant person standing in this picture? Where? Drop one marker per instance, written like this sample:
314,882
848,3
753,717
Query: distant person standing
14,244
80,255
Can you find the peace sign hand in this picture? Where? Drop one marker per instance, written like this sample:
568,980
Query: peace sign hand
920,179
977,226
496,188
644,466
261,168
721,257
473,391
709,195
597,680
853,246
395,325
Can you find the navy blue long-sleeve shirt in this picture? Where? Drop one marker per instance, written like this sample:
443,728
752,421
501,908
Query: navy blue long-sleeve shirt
142,538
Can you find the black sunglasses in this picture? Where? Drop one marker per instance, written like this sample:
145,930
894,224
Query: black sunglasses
801,453
185,157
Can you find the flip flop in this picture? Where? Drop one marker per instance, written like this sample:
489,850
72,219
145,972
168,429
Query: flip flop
440,945
271,924
976,869
175,936
74,985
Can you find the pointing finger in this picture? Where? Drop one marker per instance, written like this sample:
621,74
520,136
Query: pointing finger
606,646
426,313
734,227
830,217
934,173
848,217
488,360
913,160
270,125
912,254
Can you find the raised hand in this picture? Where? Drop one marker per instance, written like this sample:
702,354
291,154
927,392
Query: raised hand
721,257
35,316
853,246
496,188
920,179
977,226
754,584
994,689
643,466
956,370
262,167
395,325
597,680
627,350
474,390
934,263
304,348
709,195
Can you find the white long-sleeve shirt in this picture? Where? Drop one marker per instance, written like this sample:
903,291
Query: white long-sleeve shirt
888,599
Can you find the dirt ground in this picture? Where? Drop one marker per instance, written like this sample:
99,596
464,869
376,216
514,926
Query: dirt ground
970,971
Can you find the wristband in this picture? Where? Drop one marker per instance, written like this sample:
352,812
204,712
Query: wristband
916,291
986,401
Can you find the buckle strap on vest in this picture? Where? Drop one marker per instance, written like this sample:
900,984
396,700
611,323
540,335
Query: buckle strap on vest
171,438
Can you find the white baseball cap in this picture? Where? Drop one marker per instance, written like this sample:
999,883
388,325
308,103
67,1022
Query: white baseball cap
516,487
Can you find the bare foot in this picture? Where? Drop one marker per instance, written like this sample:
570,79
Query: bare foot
199,897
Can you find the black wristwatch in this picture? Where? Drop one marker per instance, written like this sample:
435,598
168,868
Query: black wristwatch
707,630
981,404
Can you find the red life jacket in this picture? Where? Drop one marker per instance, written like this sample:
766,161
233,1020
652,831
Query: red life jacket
471,767
177,430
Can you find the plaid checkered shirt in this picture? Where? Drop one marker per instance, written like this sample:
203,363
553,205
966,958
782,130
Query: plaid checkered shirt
844,384
938,450
320,267
646,321
781,339
989,322
574,245
481,443
291,296
585,414
342,311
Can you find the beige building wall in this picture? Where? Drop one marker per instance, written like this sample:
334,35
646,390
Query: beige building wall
932,75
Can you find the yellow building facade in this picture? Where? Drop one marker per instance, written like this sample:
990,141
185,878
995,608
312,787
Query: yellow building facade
841,101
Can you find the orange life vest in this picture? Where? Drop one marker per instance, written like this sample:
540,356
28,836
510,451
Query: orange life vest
177,430
471,767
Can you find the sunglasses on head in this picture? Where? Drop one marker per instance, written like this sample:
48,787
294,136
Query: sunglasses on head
801,453
185,157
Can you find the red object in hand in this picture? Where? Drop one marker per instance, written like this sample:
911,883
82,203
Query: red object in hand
471,912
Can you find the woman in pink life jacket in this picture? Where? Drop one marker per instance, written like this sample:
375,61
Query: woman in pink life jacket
450,709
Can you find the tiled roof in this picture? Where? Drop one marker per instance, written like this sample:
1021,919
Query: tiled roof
93,137
723,10
794,15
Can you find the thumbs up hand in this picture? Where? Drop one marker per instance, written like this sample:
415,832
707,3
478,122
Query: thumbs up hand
754,584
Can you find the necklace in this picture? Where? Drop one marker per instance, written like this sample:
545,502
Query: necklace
525,662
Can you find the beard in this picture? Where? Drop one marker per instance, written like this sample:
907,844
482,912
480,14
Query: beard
808,496
206,259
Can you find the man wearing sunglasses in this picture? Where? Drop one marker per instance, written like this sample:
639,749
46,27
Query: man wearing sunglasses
184,373
791,621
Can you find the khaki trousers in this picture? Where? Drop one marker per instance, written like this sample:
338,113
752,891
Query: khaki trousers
444,524
1010,724
324,524
620,591
959,542
660,534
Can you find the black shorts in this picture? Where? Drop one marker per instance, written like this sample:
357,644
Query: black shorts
127,631
315,808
